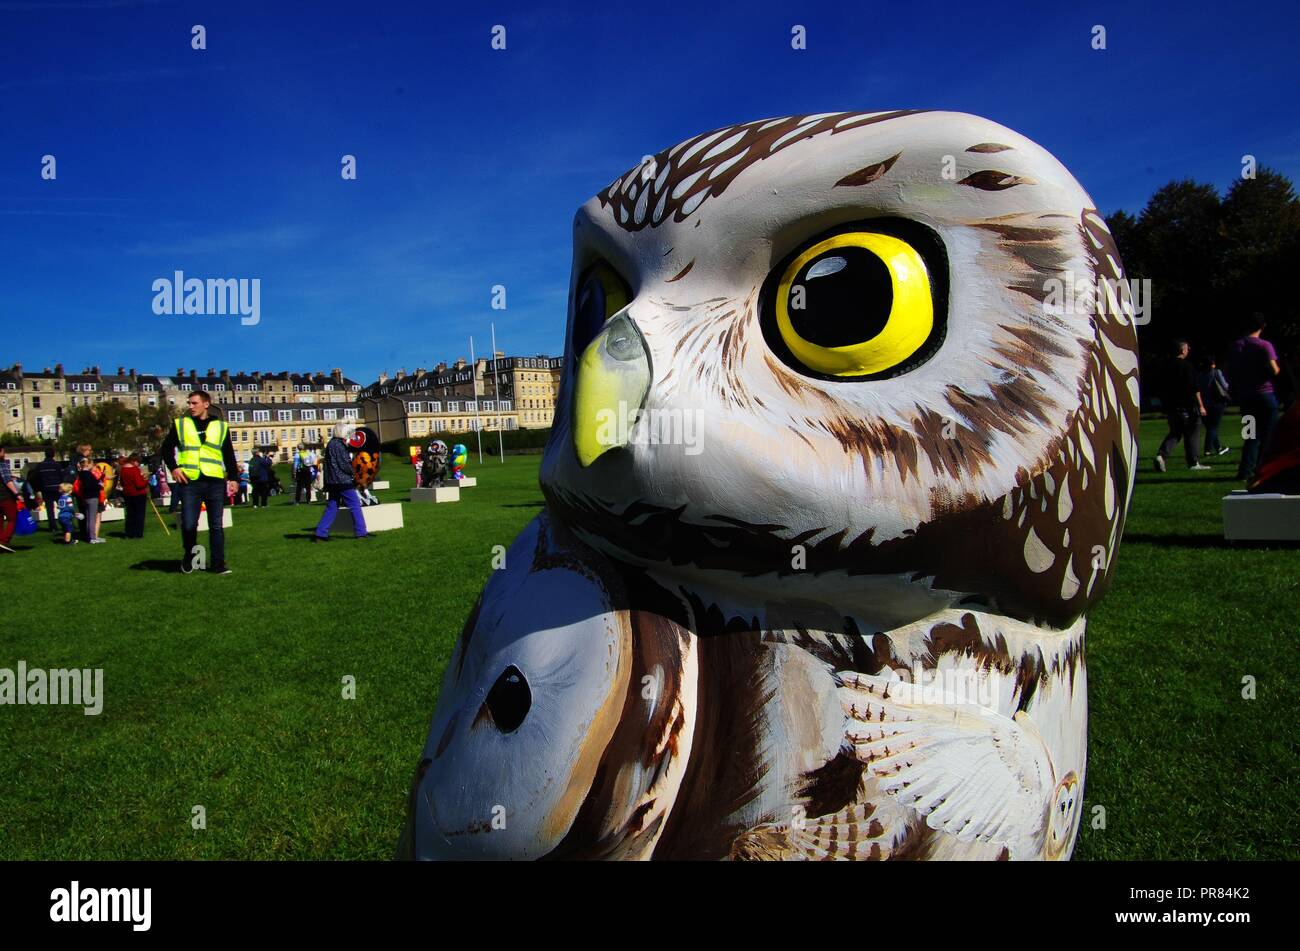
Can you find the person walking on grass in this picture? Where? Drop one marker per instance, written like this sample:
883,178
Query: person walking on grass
88,490
135,494
8,503
47,477
1214,395
1183,409
65,506
302,479
201,458
341,485
259,477
1252,368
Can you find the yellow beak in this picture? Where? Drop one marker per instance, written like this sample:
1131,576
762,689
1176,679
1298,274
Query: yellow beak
613,379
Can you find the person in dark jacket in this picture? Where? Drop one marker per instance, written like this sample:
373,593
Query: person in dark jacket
46,477
1183,409
259,477
135,494
340,484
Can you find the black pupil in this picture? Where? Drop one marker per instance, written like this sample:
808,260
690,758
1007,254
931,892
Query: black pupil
588,315
509,700
846,301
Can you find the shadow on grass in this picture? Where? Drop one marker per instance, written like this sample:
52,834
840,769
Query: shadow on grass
524,505
1202,479
295,536
167,565
1203,541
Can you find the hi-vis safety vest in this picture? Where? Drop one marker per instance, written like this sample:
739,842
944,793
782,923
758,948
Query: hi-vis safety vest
197,456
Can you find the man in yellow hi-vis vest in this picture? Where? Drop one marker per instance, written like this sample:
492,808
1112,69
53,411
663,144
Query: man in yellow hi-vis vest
201,458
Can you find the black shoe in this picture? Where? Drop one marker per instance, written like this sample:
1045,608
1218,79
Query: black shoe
362,538
316,539
221,570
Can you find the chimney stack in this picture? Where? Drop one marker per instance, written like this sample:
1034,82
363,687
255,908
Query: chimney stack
95,370
58,369
337,374
193,374
180,372
18,368
132,373
210,372
121,371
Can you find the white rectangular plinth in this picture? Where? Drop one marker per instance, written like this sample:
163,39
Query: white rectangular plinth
448,493
379,518
468,482
1263,518
380,486
114,515
226,520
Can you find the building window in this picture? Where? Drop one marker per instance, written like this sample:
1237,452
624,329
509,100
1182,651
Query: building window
489,406
11,386
329,414
147,387
349,414
415,407
453,406
236,417
36,402
435,407
76,387
504,405
121,388
261,415
284,415
308,414
328,386
91,387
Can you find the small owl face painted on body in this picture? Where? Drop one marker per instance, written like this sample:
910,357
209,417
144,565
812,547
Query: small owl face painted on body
859,334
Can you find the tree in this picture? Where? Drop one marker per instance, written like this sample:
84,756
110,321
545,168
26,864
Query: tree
112,426
1260,231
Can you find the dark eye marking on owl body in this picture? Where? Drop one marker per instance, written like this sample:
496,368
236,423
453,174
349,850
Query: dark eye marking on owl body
869,174
987,147
991,180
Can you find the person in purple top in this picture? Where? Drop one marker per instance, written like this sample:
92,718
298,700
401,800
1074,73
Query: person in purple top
1251,370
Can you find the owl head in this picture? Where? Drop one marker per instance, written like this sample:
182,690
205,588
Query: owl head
887,360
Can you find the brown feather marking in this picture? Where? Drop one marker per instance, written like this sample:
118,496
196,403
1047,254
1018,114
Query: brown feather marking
991,180
869,174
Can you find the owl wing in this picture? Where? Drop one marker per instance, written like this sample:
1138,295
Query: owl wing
972,773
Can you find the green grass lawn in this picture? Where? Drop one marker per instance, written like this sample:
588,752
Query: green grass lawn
227,692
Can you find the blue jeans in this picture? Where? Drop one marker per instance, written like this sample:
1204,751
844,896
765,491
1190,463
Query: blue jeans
349,498
1263,407
192,495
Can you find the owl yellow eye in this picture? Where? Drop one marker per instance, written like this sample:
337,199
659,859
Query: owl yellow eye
601,294
856,304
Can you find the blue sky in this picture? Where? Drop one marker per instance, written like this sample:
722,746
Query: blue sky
225,162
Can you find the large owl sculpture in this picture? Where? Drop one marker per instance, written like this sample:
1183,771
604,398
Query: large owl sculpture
842,455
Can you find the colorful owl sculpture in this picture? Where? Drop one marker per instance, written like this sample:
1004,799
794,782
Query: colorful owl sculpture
708,646
459,455
366,460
